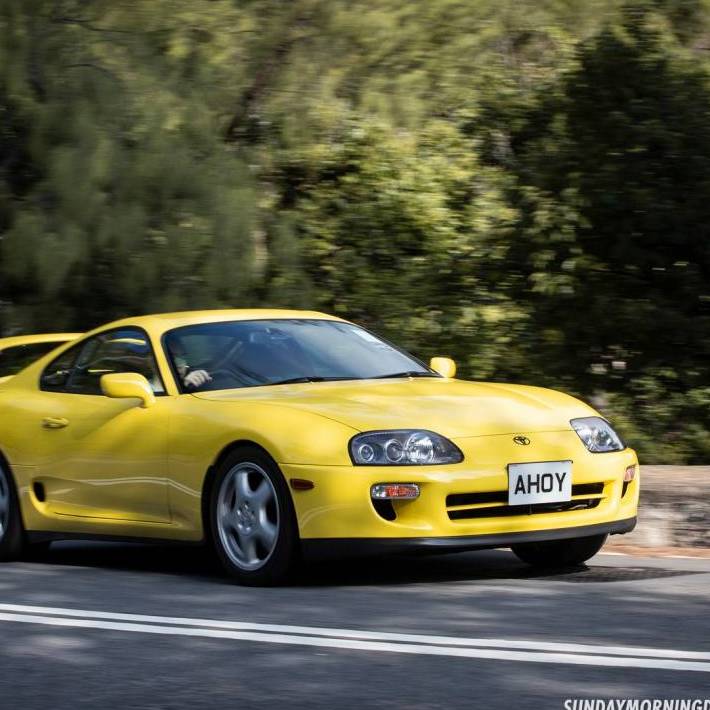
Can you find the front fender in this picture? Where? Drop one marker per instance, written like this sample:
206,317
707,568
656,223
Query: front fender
200,430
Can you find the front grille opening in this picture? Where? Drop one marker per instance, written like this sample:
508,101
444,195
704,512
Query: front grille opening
476,498
384,509
494,503
580,489
500,511
588,489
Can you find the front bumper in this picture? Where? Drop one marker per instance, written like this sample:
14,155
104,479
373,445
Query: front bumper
338,510
342,547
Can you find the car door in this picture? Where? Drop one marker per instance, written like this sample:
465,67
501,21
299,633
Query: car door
100,458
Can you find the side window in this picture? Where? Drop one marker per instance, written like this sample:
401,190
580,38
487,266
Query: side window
17,358
125,350
56,374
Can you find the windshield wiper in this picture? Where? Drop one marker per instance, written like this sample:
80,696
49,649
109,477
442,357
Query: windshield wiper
408,373
314,378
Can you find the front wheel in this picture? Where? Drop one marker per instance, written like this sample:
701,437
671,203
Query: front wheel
252,518
559,553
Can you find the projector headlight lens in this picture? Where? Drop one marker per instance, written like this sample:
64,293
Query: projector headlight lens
405,447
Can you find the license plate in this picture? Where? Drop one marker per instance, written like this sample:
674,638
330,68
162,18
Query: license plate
545,482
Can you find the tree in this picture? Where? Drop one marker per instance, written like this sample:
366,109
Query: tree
118,196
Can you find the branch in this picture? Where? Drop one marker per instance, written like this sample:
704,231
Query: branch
95,67
85,24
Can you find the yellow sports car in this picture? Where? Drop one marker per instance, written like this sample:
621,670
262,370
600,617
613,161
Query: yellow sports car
20,350
271,434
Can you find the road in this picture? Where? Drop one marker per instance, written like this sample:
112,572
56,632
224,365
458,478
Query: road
133,626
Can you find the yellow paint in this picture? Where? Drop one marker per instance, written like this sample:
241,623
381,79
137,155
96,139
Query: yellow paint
445,366
124,469
128,385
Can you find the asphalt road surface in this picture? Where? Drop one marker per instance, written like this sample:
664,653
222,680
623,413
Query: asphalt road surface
132,626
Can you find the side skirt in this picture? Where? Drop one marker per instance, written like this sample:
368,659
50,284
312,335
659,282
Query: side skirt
42,536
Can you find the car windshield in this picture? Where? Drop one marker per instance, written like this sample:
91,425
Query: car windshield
18,357
237,354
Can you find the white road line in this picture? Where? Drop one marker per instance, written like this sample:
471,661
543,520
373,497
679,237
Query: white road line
356,640
365,635
657,557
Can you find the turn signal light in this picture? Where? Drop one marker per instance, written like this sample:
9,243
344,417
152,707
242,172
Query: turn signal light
394,491
630,473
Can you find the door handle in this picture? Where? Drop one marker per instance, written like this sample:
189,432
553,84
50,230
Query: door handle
54,423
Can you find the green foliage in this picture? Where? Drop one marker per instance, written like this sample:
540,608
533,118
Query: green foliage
619,220
520,185
124,198
666,423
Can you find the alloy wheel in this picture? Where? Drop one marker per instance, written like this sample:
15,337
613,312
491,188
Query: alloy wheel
248,516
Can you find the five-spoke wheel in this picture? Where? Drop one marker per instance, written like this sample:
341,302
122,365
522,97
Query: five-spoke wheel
248,515
253,522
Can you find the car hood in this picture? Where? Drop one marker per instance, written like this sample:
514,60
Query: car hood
453,408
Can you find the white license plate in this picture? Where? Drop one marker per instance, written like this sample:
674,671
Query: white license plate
544,482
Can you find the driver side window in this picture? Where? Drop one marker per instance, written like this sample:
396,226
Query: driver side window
79,370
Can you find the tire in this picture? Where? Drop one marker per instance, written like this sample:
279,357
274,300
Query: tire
11,531
252,519
559,553
35,550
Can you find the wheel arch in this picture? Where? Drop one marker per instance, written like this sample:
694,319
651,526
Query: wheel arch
211,474
7,467
5,463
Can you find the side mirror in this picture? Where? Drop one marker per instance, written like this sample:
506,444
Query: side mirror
445,366
128,385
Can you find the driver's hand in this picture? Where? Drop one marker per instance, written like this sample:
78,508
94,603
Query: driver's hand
197,378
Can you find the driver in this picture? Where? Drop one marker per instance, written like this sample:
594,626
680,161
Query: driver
192,379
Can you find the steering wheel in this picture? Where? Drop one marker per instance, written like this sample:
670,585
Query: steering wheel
222,360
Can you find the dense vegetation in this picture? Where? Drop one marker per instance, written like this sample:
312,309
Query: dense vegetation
521,184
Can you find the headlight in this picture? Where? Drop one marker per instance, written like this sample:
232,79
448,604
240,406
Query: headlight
597,435
405,447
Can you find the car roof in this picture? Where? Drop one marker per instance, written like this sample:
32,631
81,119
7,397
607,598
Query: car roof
34,339
162,322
